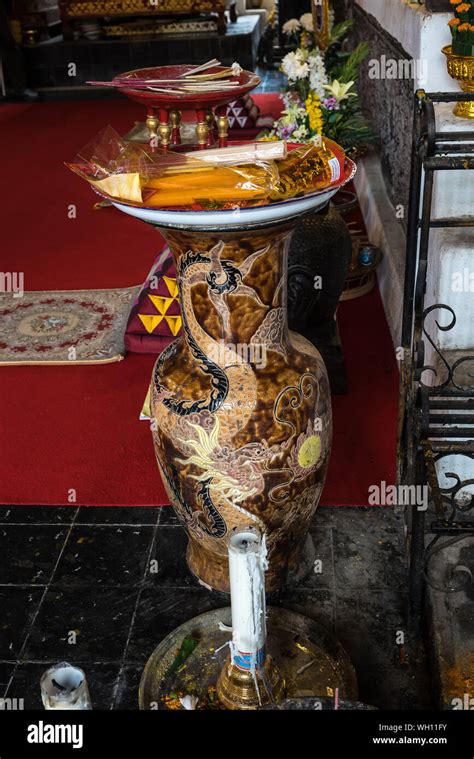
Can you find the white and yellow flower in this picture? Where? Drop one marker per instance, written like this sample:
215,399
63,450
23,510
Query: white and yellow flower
300,134
340,90
295,66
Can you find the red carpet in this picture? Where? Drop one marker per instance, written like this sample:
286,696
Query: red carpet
77,429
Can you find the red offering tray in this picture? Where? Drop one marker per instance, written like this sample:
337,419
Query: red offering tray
164,107
244,83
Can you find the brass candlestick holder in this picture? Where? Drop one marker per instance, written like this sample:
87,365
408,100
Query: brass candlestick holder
249,678
461,68
236,688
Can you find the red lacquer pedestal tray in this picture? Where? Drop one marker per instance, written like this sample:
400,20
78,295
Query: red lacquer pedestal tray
166,91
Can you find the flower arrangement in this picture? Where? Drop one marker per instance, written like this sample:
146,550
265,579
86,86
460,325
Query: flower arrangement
462,28
320,99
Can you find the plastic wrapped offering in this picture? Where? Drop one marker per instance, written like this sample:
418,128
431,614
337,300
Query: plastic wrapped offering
202,186
113,166
250,152
262,173
306,169
125,171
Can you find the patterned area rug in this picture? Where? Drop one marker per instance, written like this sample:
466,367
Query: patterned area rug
64,327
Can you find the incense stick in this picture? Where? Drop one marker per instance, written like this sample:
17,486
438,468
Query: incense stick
202,67
240,154
173,87
178,82
217,75
166,90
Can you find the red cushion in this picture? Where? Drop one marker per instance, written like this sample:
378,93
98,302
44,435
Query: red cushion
155,317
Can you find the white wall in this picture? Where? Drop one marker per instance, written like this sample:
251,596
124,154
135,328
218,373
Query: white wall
420,33
451,252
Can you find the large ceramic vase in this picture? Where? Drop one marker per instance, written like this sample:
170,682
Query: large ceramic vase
241,406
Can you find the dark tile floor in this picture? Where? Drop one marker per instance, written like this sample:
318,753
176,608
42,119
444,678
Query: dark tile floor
100,587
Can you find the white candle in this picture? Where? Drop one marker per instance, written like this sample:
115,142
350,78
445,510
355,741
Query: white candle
247,565
65,687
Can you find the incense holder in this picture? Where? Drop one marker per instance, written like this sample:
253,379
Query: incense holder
241,408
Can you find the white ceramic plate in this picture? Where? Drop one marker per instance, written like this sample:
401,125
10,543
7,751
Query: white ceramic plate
272,213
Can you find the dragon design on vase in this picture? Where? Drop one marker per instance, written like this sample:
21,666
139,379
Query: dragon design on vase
229,455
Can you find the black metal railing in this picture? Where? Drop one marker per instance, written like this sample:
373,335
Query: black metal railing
436,418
